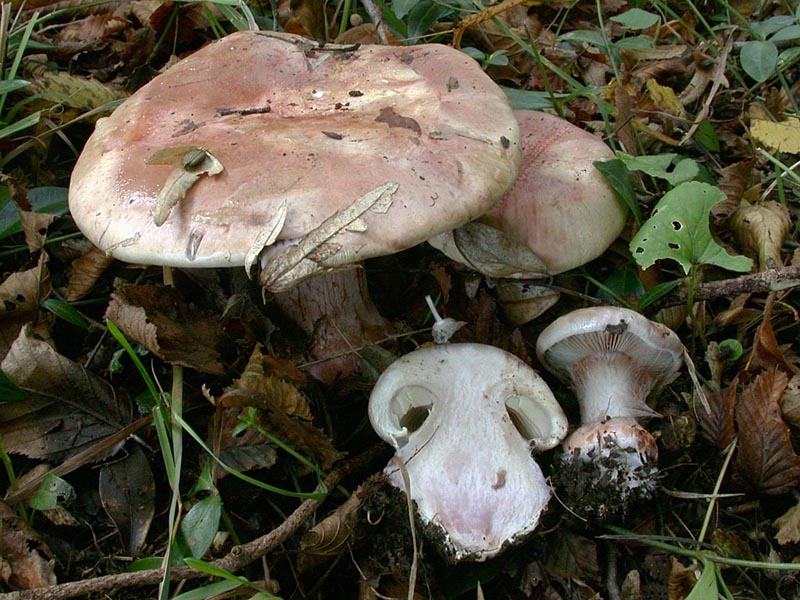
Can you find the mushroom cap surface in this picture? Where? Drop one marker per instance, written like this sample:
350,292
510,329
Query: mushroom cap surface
560,207
655,350
469,460
312,129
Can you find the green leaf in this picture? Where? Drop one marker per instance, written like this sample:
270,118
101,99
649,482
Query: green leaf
424,16
16,126
51,200
762,29
51,493
402,7
212,590
200,525
637,42
787,33
591,37
65,312
636,18
656,292
530,99
11,85
619,178
759,59
10,391
679,230
661,166
706,586
707,136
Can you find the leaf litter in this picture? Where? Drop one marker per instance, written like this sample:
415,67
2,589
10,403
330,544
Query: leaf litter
684,116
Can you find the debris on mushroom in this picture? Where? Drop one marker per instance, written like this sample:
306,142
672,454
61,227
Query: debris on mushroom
463,419
361,151
560,213
612,358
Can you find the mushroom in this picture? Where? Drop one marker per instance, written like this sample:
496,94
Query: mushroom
613,358
463,419
560,213
320,155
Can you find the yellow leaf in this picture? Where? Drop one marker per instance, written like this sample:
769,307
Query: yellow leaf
664,97
777,137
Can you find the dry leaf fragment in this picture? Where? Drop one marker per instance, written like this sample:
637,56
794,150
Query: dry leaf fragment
260,384
717,424
173,329
762,228
766,351
788,526
191,166
68,408
72,94
127,493
327,537
765,461
284,269
783,136
790,402
25,559
85,271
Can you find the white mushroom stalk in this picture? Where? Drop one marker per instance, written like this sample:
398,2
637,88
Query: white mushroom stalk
464,419
613,358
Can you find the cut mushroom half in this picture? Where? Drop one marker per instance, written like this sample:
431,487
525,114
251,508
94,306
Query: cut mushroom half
464,419
613,359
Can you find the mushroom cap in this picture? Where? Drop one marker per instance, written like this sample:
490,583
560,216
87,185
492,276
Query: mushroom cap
463,418
560,207
652,348
302,127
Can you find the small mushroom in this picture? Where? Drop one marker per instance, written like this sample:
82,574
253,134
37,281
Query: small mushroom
463,419
320,155
612,358
560,213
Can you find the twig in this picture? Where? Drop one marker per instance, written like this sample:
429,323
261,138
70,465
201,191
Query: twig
376,16
764,281
238,558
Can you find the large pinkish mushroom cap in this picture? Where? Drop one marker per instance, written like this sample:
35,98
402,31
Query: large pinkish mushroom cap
299,128
560,210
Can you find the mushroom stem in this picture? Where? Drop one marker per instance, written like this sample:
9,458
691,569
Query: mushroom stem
336,311
609,385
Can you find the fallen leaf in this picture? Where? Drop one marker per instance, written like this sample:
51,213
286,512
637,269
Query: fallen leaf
26,559
790,402
664,98
762,229
496,254
573,556
127,492
85,271
285,268
717,425
788,526
783,136
173,329
73,95
328,536
766,351
765,460
258,382
68,408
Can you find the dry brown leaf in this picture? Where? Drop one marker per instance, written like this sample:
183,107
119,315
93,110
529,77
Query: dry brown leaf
682,579
788,526
264,381
328,536
766,352
790,402
26,559
765,460
92,29
68,408
573,556
127,492
171,328
85,271
20,296
777,137
302,436
717,426
73,95
762,229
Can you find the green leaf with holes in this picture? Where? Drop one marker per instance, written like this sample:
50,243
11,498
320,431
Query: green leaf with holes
678,229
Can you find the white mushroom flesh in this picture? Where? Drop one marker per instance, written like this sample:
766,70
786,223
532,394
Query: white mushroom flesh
469,462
